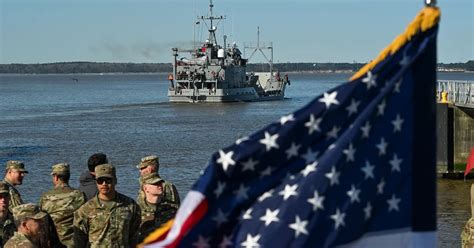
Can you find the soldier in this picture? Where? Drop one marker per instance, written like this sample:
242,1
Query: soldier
151,164
15,172
29,220
155,211
61,202
110,219
7,226
467,234
87,178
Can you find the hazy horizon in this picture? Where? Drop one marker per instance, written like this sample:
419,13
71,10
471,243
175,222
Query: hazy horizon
143,31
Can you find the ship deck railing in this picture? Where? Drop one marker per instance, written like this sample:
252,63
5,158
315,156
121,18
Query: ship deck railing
457,92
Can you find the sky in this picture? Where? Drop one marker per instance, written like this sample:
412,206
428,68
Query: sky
144,31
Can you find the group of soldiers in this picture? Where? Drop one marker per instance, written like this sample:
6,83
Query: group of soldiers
95,215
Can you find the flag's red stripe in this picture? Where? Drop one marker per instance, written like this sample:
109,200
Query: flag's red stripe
470,163
195,216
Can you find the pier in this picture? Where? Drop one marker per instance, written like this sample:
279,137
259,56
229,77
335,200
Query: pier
455,126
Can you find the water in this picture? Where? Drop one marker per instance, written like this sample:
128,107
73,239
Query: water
47,119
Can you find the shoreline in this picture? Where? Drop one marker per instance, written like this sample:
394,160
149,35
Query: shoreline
164,73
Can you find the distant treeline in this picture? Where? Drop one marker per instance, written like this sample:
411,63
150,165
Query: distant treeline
94,67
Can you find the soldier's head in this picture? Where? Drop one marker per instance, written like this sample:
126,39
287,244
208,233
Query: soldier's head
96,159
15,172
29,220
149,164
152,186
4,198
105,179
60,173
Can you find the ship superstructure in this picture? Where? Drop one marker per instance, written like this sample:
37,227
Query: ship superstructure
217,73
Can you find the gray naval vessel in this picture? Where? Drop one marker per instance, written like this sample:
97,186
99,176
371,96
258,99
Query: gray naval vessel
217,73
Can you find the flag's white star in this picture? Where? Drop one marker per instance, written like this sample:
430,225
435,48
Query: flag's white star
381,108
397,124
251,241
249,165
333,176
368,211
405,60
286,118
365,130
316,201
349,152
395,163
333,132
393,203
352,108
220,217
292,151
225,159
289,191
241,193
329,99
248,214
270,141
313,124
238,141
226,242
266,195
266,172
220,188
202,242
338,218
354,194
382,146
331,146
270,216
380,187
370,80
299,226
309,168
310,156
396,89
368,170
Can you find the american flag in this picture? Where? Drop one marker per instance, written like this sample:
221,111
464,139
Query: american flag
354,167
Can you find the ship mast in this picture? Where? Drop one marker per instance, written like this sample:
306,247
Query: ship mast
211,28
260,48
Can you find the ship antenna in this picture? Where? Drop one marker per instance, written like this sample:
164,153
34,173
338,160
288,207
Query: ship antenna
212,29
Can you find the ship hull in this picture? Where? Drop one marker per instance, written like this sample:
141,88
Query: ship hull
220,95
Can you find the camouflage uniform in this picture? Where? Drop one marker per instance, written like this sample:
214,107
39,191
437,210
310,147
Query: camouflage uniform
7,225
7,229
15,198
153,215
19,240
113,224
60,203
467,235
21,213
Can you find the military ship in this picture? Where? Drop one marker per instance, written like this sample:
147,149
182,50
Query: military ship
217,73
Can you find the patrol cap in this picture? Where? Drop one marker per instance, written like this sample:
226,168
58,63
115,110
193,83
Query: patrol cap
60,169
105,170
149,160
28,210
4,188
17,165
150,178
